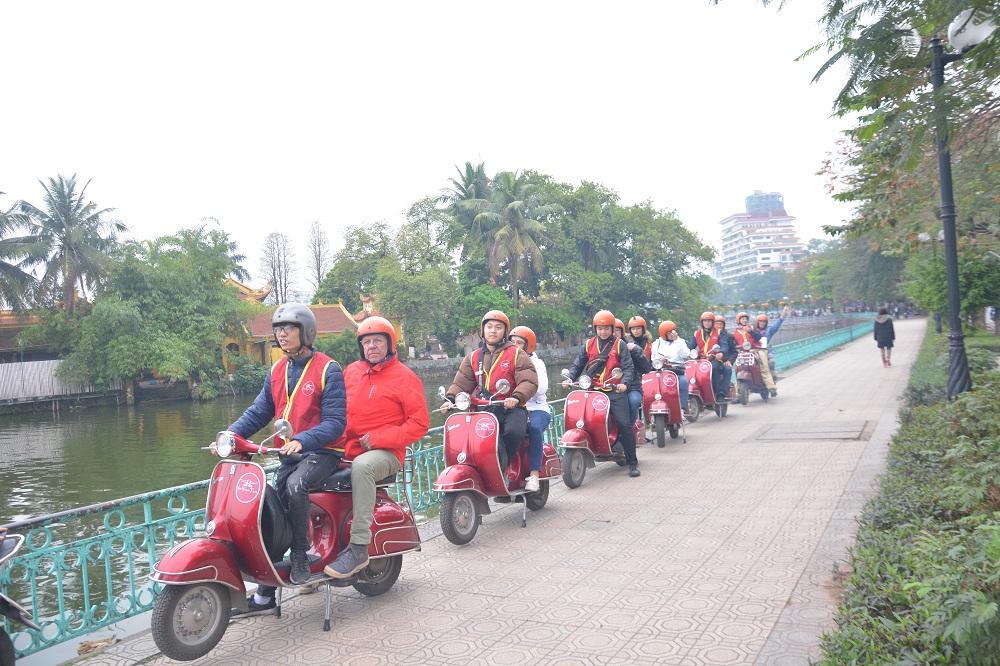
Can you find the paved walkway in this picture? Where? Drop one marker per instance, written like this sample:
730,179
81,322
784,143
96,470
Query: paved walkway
723,552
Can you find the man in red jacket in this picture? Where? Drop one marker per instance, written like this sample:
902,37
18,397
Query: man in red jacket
386,412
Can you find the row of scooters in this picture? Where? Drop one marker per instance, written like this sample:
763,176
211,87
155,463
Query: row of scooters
246,533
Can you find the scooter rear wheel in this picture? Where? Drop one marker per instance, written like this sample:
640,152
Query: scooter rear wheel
379,576
537,499
6,649
459,517
574,468
189,620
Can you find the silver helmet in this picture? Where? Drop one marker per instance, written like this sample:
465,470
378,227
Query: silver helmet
300,315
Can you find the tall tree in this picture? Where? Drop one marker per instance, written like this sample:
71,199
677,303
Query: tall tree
317,253
236,258
71,235
277,264
16,284
514,225
355,265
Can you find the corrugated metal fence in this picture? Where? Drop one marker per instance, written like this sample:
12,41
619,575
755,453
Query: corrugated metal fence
37,380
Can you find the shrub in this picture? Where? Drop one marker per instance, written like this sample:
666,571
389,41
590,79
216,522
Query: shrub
249,376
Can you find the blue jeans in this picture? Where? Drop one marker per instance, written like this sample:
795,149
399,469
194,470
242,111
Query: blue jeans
634,404
538,423
684,391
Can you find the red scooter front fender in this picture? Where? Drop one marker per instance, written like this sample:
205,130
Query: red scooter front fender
575,438
201,560
457,478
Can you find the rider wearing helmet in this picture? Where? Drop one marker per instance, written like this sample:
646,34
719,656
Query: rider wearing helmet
306,387
672,351
386,412
766,329
640,363
498,358
539,413
705,339
599,357
726,340
741,334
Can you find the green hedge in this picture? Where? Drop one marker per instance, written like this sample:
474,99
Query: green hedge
925,585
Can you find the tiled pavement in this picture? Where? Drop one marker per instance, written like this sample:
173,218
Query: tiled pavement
722,552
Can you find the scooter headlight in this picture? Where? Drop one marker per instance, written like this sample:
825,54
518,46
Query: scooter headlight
658,396
224,444
693,382
462,401
579,424
585,382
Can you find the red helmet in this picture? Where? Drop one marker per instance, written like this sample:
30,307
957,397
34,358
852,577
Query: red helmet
721,318
529,337
376,325
604,318
666,327
636,321
762,318
742,315
707,315
495,315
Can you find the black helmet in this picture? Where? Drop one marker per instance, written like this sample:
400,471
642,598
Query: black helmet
301,316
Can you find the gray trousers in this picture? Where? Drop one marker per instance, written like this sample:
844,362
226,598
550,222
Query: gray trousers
369,467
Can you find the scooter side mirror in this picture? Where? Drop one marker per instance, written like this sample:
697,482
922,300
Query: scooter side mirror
564,373
503,386
283,429
657,364
442,393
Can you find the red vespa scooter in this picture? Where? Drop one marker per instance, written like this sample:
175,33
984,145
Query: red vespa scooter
246,535
701,396
748,376
589,432
473,475
661,402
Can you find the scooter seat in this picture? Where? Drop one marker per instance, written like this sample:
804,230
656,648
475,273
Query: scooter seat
340,482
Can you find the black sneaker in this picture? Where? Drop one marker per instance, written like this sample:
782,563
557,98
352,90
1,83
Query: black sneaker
254,608
300,568
774,393
617,449
633,470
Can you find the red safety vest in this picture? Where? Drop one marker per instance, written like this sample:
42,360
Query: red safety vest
741,337
755,342
705,345
503,367
303,407
612,362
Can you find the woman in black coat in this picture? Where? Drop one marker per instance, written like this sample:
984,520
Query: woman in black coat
884,335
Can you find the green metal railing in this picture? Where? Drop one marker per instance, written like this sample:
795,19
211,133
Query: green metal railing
87,568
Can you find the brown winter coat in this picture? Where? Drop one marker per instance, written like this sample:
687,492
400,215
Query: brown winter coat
525,376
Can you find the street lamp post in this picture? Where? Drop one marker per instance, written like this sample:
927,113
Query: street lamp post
963,35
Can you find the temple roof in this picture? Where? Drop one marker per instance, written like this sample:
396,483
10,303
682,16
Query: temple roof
329,319
247,293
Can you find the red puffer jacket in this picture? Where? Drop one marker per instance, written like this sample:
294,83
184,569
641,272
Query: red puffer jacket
387,402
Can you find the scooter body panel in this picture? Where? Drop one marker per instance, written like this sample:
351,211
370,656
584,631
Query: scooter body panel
393,528
200,560
472,439
666,384
593,408
699,375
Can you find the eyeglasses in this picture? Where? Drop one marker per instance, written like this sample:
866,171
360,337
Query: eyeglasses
282,328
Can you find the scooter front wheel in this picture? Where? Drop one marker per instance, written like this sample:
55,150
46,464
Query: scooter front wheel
661,426
6,649
574,468
189,620
379,576
694,408
744,392
537,499
459,517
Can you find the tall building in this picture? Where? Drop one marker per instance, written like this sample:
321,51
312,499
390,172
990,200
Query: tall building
761,239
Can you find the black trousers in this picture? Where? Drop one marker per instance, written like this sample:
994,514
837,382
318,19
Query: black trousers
294,481
622,415
513,430
722,377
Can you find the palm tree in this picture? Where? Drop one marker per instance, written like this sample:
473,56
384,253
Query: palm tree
15,282
514,225
71,236
467,197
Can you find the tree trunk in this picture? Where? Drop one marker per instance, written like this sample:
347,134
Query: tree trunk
512,266
69,288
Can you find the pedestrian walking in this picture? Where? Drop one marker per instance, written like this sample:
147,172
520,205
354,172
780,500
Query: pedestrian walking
884,336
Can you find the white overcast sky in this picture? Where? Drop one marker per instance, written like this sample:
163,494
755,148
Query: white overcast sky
270,115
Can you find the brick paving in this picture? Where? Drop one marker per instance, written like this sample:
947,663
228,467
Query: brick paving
724,551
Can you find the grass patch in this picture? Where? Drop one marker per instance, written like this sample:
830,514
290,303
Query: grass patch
925,581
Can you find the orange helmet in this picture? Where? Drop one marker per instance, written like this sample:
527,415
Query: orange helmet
620,324
762,318
721,318
495,315
636,321
707,315
742,315
666,327
379,325
529,337
604,318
